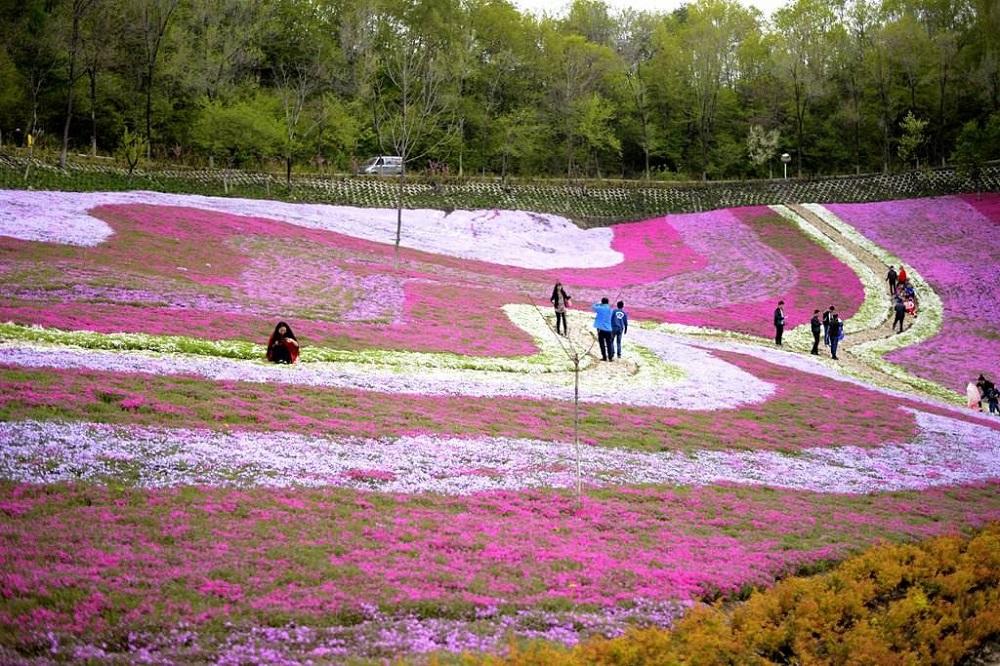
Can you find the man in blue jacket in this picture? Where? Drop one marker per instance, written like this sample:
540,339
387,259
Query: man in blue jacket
619,325
602,322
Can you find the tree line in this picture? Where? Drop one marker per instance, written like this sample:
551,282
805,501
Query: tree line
710,90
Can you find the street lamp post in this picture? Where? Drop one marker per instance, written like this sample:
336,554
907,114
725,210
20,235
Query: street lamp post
785,159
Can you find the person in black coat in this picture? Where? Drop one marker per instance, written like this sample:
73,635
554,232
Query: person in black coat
900,309
814,324
836,326
986,387
892,278
779,322
826,325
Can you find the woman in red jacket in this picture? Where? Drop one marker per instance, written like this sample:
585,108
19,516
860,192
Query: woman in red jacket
282,347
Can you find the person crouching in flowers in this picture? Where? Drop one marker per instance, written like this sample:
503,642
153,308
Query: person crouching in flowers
282,347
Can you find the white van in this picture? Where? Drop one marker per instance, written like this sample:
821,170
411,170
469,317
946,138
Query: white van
384,165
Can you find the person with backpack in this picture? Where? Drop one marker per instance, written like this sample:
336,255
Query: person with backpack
619,325
602,322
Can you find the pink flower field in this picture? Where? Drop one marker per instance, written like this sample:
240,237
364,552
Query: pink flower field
412,487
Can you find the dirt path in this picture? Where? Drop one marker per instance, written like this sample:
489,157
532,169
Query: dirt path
884,329
851,363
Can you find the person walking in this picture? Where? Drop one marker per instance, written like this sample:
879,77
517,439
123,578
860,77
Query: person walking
560,301
779,322
836,333
826,325
900,309
993,399
619,325
892,278
902,275
972,397
814,325
985,387
602,322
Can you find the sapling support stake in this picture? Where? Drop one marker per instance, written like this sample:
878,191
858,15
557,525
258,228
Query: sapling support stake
574,355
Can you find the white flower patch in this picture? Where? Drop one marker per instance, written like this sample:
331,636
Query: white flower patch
512,238
43,216
945,452
707,383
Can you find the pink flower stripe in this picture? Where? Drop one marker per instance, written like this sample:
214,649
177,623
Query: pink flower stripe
954,243
203,555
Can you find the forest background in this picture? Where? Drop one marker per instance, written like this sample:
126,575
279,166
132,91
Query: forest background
711,90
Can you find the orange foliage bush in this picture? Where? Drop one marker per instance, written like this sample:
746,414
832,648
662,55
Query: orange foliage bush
929,603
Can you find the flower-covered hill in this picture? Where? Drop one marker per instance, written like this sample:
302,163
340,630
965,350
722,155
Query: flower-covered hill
414,483
225,271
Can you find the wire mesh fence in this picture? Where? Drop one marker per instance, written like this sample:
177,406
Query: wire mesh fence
590,203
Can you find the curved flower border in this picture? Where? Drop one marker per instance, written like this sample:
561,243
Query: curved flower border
924,327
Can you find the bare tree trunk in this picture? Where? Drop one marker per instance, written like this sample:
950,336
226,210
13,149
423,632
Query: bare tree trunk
399,205
149,112
74,38
92,74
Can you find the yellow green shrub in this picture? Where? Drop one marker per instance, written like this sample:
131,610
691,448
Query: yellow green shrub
928,603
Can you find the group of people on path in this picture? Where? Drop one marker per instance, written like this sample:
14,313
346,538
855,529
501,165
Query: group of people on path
904,296
904,301
611,324
983,389
830,324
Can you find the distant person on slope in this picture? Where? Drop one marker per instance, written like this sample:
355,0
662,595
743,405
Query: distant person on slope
836,334
779,322
892,278
560,301
972,397
814,326
282,347
602,322
993,399
985,387
900,309
619,325
826,325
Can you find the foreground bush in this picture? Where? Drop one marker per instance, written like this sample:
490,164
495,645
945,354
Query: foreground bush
930,603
